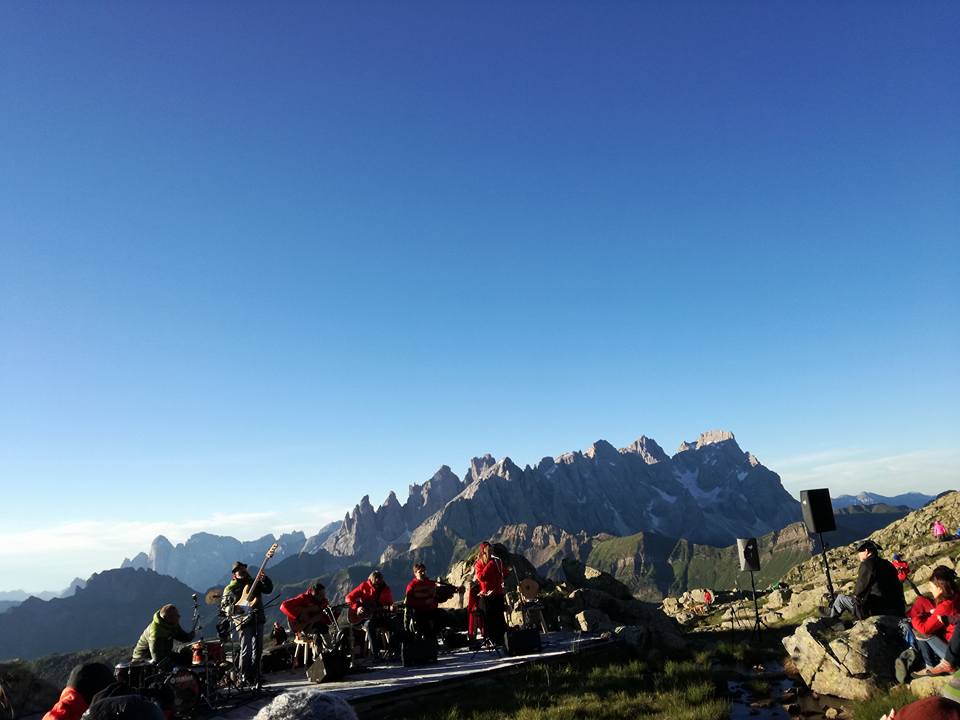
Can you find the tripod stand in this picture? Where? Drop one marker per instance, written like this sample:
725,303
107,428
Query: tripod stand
756,610
826,568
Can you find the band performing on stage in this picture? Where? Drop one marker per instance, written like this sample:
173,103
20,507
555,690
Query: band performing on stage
185,671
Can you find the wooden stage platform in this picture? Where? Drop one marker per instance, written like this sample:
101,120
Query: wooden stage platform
392,691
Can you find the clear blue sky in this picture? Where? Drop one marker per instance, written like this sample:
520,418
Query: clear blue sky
269,258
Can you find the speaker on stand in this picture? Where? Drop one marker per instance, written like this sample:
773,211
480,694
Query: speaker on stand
818,517
749,554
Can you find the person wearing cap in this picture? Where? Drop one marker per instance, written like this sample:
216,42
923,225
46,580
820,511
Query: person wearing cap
877,591
249,621
156,641
307,612
85,681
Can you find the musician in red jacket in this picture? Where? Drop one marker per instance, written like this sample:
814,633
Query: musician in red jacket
490,572
371,603
307,611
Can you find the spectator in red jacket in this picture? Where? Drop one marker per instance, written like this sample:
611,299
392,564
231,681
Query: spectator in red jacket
934,625
307,611
490,572
901,566
370,603
85,681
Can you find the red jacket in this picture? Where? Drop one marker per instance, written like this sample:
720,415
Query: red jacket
925,618
366,594
422,595
903,569
70,706
490,576
296,605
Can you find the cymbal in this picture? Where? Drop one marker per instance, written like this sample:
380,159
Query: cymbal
213,596
529,588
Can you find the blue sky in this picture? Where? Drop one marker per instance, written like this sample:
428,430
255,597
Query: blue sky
260,261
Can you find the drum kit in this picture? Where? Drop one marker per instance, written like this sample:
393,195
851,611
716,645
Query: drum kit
199,677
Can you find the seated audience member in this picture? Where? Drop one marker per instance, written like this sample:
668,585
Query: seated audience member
932,621
929,708
124,707
307,704
85,681
877,590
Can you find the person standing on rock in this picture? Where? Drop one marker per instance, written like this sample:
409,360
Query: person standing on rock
878,591
933,621
939,531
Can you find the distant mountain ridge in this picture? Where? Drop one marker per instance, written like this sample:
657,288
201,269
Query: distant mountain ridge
911,500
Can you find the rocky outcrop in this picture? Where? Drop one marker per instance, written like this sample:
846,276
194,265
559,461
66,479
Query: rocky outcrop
852,664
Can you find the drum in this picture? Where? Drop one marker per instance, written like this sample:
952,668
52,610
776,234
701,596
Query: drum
214,649
186,688
134,673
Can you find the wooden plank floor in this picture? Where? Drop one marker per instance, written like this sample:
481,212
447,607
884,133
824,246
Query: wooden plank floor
387,691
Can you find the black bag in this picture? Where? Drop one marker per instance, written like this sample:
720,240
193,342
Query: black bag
418,651
453,640
522,641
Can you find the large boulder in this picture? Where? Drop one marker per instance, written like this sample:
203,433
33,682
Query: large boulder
584,576
852,663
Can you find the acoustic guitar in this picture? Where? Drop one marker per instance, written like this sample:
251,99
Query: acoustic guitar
309,616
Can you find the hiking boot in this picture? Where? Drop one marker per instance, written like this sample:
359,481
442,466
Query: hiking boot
944,668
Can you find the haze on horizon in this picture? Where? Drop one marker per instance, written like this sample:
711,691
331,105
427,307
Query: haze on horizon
304,253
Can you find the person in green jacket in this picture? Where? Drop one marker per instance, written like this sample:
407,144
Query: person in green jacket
156,642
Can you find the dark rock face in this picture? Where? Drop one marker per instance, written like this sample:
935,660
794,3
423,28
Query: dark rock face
113,609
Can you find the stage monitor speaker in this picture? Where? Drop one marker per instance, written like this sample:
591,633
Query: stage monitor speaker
519,641
817,510
329,667
749,554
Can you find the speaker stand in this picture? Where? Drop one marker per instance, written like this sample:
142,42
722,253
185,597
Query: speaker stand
758,623
826,569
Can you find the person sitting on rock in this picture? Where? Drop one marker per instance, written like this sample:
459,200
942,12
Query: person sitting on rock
877,591
932,621
85,681
902,567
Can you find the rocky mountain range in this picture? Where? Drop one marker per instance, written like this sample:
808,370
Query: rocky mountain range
204,560
911,500
709,491
112,609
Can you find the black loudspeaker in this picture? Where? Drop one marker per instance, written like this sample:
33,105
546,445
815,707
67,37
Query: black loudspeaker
521,642
329,667
418,650
817,510
749,554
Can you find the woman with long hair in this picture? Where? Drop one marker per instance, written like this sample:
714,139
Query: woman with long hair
933,622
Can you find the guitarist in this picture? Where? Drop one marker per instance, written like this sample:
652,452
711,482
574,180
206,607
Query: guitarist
307,612
370,603
249,620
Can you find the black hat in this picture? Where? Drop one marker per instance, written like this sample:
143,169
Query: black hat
869,546
317,586
238,566
90,678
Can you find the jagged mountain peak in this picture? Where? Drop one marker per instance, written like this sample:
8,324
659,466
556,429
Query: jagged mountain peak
602,449
391,500
160,541
648,449
715,437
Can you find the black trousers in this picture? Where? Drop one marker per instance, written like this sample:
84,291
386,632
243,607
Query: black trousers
494,622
